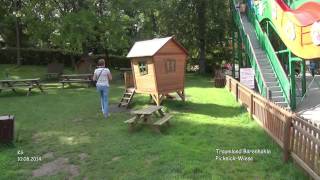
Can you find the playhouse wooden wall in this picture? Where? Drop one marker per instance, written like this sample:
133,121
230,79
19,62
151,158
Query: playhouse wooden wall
144,83
169,82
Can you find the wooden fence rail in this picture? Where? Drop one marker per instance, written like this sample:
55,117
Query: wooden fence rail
298,138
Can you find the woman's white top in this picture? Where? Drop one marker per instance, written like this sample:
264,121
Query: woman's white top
103,79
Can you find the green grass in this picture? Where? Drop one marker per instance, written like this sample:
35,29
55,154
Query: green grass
68,122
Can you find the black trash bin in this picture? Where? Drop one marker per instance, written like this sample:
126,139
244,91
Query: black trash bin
6,128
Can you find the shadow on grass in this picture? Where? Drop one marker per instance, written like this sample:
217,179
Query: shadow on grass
209,109
20,93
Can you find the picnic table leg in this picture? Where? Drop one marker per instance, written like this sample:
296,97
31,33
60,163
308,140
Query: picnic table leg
133,125
14,90
40,87
161,112
156,129
68,79
29,91
11,85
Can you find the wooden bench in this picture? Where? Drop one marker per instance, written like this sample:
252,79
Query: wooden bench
76,78
164,120
131,122
21,83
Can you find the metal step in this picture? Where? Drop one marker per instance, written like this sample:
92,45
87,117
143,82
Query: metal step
283,104
264,62
276,93
272,84
278,99
269,75
266,71
266,68
275,88
270,79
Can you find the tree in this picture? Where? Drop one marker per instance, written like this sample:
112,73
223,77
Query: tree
112,26
201,6
18,29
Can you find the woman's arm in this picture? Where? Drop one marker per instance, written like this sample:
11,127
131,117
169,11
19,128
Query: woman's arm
94,78
109,76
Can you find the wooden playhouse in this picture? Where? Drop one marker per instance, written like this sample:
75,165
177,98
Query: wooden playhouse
158,68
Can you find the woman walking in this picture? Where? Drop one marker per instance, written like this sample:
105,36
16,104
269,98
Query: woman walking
102,76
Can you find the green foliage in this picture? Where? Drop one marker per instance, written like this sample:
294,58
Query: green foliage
75,31
112,27
32,56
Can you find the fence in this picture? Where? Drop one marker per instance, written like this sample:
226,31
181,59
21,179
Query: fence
298,138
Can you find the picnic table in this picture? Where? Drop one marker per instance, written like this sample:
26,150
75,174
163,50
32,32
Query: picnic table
76,78
143,116
20,83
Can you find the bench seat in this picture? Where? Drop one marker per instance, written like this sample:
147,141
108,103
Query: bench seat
131,120
76,81
163,120
15,87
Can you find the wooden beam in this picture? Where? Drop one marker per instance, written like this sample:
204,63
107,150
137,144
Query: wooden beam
154,98
181,94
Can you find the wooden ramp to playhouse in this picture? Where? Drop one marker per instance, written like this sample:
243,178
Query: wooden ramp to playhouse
129,90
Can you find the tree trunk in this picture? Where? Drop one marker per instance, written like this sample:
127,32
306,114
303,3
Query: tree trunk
154,24
18,31
201,13
108,62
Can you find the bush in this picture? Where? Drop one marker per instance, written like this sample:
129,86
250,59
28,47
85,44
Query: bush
31,56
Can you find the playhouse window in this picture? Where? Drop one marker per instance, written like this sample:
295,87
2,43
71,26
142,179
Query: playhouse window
143,68
170,65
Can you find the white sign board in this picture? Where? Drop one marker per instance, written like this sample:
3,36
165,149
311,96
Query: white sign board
247,77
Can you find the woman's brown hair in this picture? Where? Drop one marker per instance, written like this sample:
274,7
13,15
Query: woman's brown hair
101,62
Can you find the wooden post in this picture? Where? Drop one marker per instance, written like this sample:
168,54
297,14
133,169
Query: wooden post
251,106
286,139
230,84
237,92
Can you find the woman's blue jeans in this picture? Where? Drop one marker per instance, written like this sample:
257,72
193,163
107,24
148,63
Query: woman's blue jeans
104,97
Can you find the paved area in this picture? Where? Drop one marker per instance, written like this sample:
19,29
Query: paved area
309,107
113,108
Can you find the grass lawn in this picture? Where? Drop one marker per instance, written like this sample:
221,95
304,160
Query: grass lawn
66,129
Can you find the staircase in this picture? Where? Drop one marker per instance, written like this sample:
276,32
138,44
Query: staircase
275,92
127,97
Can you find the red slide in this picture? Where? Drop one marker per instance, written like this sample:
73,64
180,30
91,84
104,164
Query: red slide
306,14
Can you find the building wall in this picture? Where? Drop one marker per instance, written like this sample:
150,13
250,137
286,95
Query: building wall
144,83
